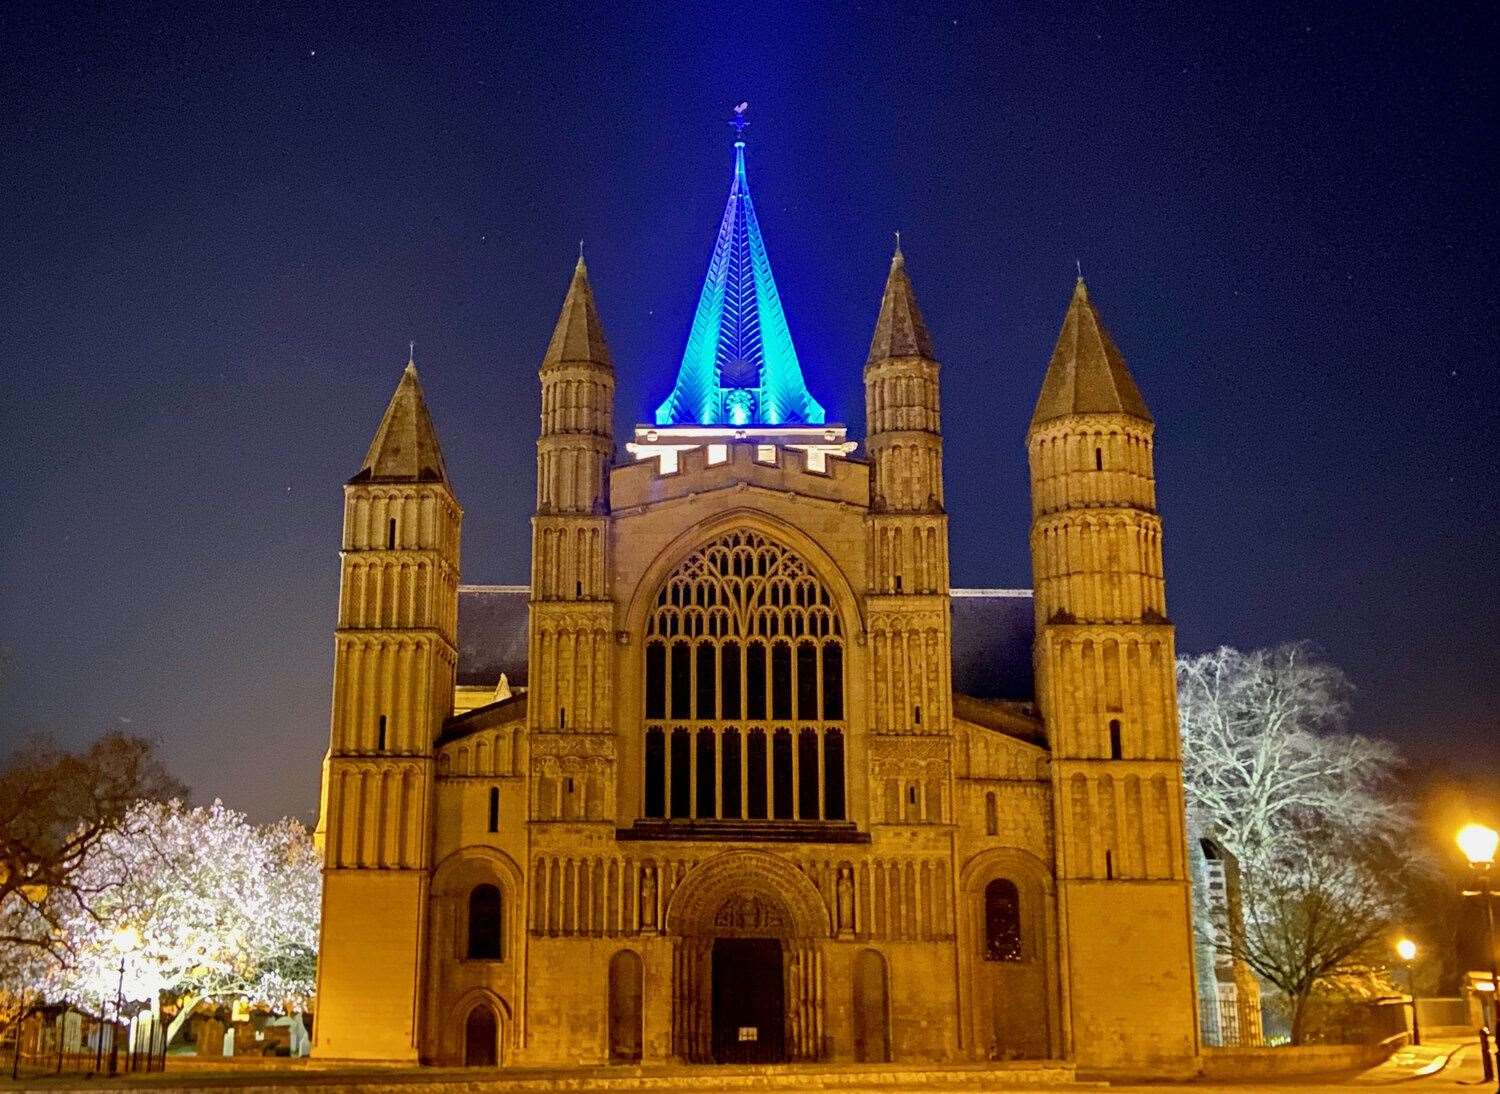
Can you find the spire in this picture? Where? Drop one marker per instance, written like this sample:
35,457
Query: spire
900,331
1087,374
579,336
739,366
405,448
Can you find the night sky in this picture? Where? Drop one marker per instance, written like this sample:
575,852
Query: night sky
222,226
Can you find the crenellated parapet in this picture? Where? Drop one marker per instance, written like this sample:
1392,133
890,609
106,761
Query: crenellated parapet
674,465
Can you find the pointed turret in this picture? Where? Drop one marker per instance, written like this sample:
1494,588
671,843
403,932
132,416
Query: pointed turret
570,605
902,412
405,448
1087,374
739,366
900,331
578,391
578,337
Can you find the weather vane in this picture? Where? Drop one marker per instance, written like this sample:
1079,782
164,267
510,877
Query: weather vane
740,122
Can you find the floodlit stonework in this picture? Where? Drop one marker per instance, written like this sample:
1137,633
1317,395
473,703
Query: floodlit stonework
738,777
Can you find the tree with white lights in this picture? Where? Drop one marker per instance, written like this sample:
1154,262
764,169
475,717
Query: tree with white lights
1310,813
223,910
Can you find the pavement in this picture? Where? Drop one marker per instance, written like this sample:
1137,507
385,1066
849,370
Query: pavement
1440,1066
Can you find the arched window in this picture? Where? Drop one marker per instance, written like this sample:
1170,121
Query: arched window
1002,921
991,815
744,689
494,809
1116,740
485,922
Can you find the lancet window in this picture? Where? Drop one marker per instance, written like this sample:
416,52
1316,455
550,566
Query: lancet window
744,688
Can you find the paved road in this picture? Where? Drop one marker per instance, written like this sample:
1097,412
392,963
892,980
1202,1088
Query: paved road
1442,1067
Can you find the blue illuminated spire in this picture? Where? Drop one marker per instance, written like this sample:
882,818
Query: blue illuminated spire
739,366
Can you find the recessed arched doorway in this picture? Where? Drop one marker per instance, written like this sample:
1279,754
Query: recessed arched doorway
481,1037
748,931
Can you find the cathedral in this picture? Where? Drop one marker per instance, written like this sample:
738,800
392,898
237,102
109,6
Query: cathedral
739,777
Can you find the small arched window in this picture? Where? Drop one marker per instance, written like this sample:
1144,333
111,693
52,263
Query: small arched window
485,916
494,809
991,815
390,535
1116,740
1098,459
1002,921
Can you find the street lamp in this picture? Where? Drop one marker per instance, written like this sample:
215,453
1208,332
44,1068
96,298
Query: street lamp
1406,949
126,940
1478,844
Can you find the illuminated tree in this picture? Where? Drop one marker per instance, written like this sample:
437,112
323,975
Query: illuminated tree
224,910
1309,812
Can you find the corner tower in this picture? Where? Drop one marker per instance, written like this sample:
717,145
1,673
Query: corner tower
910,630
571,609
395,659
1106,685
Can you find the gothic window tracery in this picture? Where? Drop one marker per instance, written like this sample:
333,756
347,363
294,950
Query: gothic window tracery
744,688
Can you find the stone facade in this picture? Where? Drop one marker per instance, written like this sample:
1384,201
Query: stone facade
737,810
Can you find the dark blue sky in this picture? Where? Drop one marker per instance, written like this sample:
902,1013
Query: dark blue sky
223,224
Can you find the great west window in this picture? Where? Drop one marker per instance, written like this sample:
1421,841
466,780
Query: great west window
744,688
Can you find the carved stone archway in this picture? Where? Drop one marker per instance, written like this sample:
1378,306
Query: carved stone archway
747,894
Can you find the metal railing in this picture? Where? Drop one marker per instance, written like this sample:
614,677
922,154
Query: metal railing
57,1040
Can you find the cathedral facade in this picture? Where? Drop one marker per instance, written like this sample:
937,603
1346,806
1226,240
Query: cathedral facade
739,777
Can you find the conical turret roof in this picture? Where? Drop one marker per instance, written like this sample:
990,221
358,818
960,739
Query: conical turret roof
1087,374
900,331
405,448
578,337
739,366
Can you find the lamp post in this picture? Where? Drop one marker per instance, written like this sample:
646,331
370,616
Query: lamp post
125,941
1406,949
1478,844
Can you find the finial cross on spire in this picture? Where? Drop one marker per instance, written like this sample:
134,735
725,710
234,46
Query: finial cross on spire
739,121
